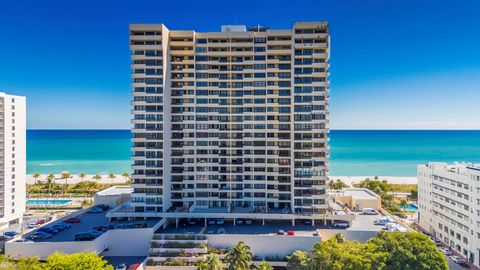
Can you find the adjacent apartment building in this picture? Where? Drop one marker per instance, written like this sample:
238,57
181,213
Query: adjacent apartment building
234,121
449,205
12,159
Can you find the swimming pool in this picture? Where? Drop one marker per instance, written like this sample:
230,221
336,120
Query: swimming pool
410,207
48,202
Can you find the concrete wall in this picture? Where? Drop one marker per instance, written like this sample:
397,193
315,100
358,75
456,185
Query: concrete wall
130,242
44,249
265,245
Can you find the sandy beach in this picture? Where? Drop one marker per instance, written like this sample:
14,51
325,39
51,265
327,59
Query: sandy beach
76,179
390,179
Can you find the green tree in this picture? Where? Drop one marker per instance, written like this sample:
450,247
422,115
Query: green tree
49,184
240,257
409,251
112,176
66,176
126,175
414,194
264,266
30,263
338,184
299,260
35,177
77,261
82,176
97,177
403,203
212,262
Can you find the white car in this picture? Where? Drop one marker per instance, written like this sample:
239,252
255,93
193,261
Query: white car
446,251
248,221
341,224
122,266
211,221
220,221
458,260
369,211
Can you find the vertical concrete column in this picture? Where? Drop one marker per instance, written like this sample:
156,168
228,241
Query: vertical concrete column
234,223
263,222
176,222
293,222
313,222
205,222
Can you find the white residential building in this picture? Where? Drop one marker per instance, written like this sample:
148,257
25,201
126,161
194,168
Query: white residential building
12,159
230,121
449,205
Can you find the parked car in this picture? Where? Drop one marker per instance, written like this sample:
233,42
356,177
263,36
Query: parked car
291,233
369,211
87,236
66,225
104,207
72,220
10,234
95,210
446,251
438,242
221,231
248,221
39,236
307,222
48,229
220,221
133,266
192,221
281,232
103,228
341,224
140,225
458,260
211,221
239,221
58,227
122,266
31,225
40,222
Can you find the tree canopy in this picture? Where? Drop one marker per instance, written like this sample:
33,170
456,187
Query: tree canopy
387,251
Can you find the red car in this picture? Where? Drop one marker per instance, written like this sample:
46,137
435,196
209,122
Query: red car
291,233
133,266
40,222
72,220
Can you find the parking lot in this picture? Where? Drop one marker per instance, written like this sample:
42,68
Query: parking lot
302,227
88,221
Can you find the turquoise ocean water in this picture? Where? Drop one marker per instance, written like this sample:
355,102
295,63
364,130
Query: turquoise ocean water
353,152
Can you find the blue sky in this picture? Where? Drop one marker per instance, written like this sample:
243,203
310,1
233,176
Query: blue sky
394,65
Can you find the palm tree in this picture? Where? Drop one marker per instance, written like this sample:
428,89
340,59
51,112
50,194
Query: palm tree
35,177
212,262
66,176
239,257
264,266
82,176
111,176
49,184
403,204
127,176
97,177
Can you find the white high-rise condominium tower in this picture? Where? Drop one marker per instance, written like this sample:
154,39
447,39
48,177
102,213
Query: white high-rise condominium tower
230,122
12,158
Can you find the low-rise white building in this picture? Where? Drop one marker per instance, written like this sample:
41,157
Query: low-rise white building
449,205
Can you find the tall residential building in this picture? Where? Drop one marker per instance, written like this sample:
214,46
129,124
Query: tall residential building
449,205
230,122
12,159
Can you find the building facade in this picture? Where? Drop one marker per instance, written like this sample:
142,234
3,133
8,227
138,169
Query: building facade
449,205
230,121
12,159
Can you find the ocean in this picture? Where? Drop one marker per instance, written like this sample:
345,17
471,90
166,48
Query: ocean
352,152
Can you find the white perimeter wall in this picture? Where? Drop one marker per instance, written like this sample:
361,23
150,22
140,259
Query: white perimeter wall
265,245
